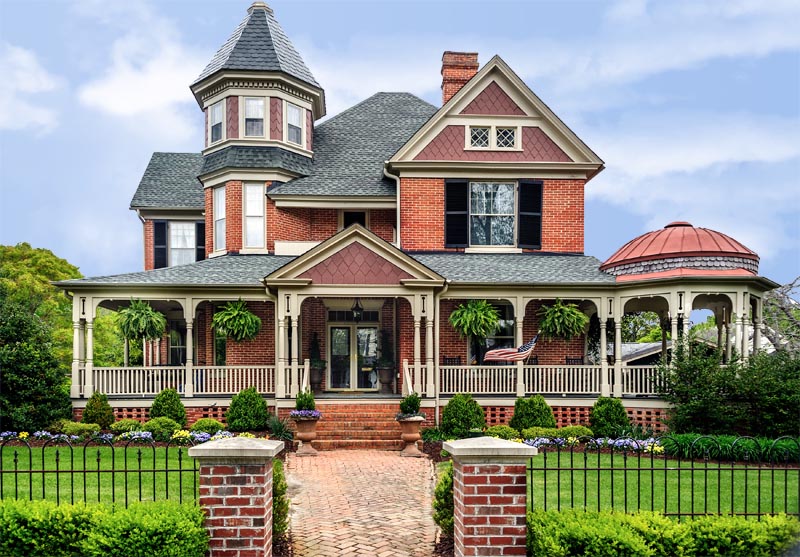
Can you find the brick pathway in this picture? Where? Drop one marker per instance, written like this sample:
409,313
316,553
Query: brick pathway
372,503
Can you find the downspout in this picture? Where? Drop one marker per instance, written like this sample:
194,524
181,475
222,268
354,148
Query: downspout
436,360
396,179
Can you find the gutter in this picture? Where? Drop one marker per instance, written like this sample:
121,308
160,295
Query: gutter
396,178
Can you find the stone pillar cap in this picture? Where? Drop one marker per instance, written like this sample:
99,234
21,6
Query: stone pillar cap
488,447
237,447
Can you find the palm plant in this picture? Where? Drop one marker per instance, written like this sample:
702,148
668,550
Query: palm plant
234,320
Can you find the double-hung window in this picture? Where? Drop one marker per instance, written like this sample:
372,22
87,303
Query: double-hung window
503,337
182,243
254,117
215,118
219,218
294,124
178,242
254,229
492,213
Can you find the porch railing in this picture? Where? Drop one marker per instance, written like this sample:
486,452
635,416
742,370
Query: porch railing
229,380
478,380
641,380
141,381
563,380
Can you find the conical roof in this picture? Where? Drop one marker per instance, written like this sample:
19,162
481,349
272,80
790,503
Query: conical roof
259,44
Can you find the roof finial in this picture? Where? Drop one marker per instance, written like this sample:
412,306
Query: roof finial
259,6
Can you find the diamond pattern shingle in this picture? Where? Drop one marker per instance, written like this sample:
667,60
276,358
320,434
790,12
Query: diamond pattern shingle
493,100
355,264
448,145
170,181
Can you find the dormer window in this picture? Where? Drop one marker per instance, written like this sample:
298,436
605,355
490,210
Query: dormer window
493,138
294,124
215,122
254,116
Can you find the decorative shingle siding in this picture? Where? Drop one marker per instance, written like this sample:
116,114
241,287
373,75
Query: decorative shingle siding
233,117
309,131
715,263
355,264
276,118
449,145
493,100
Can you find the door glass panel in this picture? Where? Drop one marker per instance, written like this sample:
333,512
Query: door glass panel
340,357
367,338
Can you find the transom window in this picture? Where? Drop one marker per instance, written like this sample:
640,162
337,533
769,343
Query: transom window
219,218
254,230
493,137
215,122
294,122
254,117
491,213
506,138
479,137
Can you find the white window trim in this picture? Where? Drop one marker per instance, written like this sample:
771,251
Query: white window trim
193,248
493,138
243,117
340,216
217,249
507,248
224,134
261,249
302,144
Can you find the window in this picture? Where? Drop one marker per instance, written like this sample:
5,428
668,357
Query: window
503,338
254,230
354,217
294,122
215,122
492,137
178,242
506,138
182,244
177,343
479,137
220,347
254,117
219,218
493,214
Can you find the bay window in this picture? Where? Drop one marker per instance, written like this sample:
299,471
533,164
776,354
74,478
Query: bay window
215,118
294,124
254,117
219,218
254,229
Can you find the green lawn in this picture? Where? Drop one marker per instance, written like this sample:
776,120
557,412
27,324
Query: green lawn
57,474
659,485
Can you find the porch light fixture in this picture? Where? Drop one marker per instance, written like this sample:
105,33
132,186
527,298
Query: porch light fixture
358,311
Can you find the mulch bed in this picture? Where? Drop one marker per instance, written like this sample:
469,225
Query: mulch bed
444,547
282,546
434,451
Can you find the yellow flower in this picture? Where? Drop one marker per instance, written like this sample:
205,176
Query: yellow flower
22,435
247,435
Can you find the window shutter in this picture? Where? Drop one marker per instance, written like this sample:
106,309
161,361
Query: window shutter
159,244
200,241
530,214
456,218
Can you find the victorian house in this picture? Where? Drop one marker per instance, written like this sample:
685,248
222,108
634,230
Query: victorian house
365,230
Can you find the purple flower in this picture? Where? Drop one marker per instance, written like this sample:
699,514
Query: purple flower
200,436
42,435
305,414
139,436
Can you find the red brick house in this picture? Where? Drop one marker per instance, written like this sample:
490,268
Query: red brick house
380,221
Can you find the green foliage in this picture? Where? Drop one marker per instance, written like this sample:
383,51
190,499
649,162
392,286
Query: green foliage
126,424
109,344
607,416
305,401
562,320
140,321
168,403
280,501
98,411
409,405
34,393
731,447
443,508
163,529
247,412
584,533
80,429
563,432
236,321
460,415
279,429
207,425
502,432
432,434
768,388
532,412
478,319
162,428
314,355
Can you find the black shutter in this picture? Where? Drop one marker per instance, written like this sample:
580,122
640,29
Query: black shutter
159,244
456,209
200,241
530,214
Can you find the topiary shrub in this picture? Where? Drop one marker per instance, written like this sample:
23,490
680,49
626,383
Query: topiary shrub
207,425
532,412
575,431
162,428
563,432
98,411
168,404
409,406
443,500
280,501
460,415
248,411
607,416
127,424
305,401
80,429
502,432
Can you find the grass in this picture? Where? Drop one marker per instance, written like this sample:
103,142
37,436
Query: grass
658,484
97,474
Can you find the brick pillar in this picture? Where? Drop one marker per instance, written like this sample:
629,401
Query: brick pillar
489,495
236,493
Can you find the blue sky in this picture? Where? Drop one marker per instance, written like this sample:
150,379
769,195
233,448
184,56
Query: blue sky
694,106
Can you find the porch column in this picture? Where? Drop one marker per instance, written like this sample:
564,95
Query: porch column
674,332
126,352
617,358
417,361
757,336
519,342
605,388
728,342
189,373
739,333
429,372
157,348
745,338
74,387
290,388
295,363
88,385
280,375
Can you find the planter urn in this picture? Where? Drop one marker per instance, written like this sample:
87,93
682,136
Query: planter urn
385,377
411,435
306,432
315,378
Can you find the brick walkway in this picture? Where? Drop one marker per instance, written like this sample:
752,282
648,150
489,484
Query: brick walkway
372,503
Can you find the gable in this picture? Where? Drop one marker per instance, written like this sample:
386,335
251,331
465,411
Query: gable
448,145
493,100
355,264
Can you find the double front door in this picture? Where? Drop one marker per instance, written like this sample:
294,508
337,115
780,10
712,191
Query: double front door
353,355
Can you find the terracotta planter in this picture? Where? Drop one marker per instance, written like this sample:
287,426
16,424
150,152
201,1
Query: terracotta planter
306,432
385,376
411,435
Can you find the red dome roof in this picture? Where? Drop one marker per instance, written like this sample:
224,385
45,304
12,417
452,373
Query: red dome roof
679,240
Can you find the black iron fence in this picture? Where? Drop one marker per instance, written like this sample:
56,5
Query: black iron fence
629,475
96,471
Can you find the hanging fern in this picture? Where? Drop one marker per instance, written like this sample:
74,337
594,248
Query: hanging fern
234,320
562,320
140,321
478,319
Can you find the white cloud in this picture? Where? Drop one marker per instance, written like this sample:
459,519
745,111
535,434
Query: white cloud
23,78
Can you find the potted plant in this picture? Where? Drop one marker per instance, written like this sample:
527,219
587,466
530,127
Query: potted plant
305,416
410,419
386,363
139,321
476,320
234,320
562,320
317,364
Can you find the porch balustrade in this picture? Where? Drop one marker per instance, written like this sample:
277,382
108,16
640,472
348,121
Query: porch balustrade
563,380
488,380
229,380
641,380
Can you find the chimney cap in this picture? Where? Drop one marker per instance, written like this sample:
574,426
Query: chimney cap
259,5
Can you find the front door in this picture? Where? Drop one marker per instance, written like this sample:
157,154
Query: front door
353,357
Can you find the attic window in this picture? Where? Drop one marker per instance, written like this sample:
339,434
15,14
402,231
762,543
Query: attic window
479,137
493,138
254,117
215,122
506,138
294,122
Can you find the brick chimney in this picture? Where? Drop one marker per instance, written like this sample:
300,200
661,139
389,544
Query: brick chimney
457,69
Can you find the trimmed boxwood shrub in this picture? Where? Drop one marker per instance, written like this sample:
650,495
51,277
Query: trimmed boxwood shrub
608,417
207,425
280,501
79,429
247,412
564,432
168,404
162,428
126,424
460,415
98,411
532,412
443,500
502,431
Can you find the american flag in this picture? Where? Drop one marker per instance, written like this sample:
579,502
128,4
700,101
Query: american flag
511,354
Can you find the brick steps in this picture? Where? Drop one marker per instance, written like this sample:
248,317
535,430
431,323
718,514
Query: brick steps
375,444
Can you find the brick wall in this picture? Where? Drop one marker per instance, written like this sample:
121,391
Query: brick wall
148,231
382,223
233,117
260,350
209,198
233,216
457,69
323,223
563,216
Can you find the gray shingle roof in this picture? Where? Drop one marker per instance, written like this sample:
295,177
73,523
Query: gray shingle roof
229,270
170,181
237,156
515,268
350,148
259,44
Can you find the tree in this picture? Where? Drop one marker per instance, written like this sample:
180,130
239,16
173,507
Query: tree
641,326
782,317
